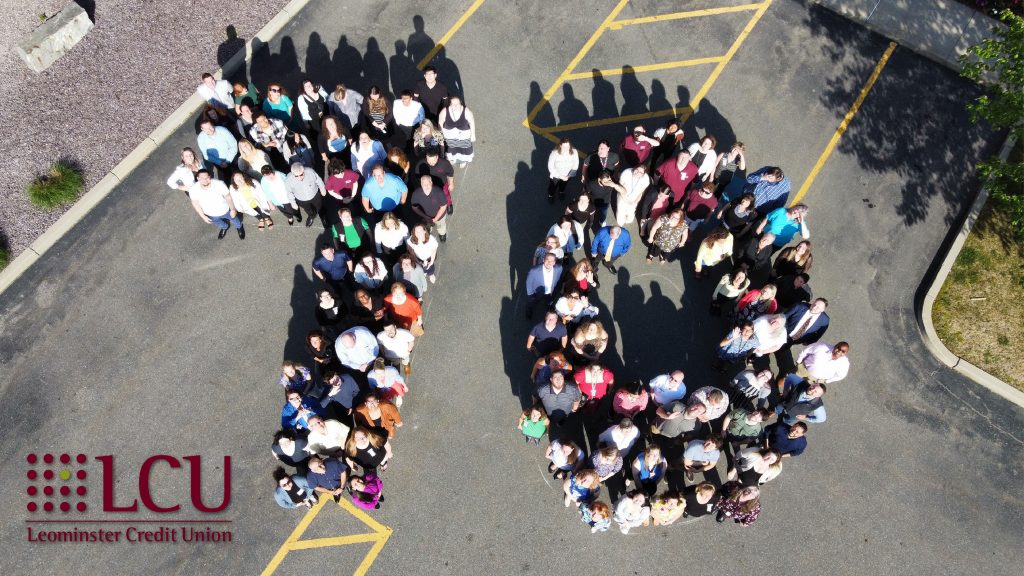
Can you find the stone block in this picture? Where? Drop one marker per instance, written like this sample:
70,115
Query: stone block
55,37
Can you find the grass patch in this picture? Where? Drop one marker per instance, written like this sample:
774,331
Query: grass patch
61,185
979,309
5,258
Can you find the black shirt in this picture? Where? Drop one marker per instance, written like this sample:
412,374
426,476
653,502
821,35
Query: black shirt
432,98
440,172
426,206
601,195
594,166
695,509
787,295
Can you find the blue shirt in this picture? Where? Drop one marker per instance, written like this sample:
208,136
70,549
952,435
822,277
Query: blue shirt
778,438
219,148
779,223
603,238
330,479
335,269
662,395
384,197
737,348
695,452
767,195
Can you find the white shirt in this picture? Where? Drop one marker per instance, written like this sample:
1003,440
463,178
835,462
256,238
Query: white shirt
562,165
635,185
304,106
549,279
396,348
817,359
364,352
330,440
707,167
390,238
614,435
212,199
222,95
406,115
391,377
182,176
275,188
423,251
663,394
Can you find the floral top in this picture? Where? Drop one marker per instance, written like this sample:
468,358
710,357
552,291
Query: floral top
667,238
600,525
605,469
733,509
297,382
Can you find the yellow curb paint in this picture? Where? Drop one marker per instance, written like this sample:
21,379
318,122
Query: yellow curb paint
448,35
644,68
334,541
844,124
618,24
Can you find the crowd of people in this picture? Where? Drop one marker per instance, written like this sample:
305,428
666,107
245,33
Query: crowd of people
378,176
661,440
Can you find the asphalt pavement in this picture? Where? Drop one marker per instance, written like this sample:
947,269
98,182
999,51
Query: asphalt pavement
141,334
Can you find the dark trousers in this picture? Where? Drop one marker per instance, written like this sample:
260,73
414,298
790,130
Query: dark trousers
557,185
313,207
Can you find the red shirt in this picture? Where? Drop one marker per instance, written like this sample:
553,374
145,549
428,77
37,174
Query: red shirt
596,390
636,153
341,186
406,313
676,180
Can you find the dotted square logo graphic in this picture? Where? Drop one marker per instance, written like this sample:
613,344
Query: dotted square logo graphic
56,483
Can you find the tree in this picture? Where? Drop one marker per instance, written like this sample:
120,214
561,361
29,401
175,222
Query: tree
998,63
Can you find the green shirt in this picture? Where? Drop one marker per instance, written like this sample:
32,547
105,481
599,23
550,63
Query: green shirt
534,429
740,427
352,239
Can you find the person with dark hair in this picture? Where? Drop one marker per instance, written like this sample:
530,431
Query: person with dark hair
630,399
739,502
367,491
441,170
293,491
601,160
563,162
823,363
648,468
297,410
547,336
636,147
396,346
801,401
333,141
770,188
789,441
312,104
376,118
657,202
339,395
757,253
378,414
275,189
542,282
668,233
319,348
327,476
248,200
290,449
560,399
369,310
793,290
271,136
600,192
785,223
677,173
732,285
211,199
738,216
459,128
215,92
351,234
408,113
431,93
332,267
670,140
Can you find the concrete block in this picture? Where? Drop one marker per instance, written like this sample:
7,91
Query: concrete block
55,37
187,112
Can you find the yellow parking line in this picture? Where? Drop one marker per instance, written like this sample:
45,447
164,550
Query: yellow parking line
334,541
448,35
576,60
844,124
616,25
618,119
370,557
644,68
294,536
729,55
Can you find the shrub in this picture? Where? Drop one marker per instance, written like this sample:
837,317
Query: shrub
5,258
61,185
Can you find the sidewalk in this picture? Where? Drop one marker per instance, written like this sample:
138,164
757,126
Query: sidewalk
938,29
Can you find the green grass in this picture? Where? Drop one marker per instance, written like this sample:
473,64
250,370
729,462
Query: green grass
979,309
60,186
5,258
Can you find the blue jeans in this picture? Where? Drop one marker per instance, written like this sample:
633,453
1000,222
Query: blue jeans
225,220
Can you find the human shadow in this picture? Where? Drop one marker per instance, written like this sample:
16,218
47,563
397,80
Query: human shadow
318,63
375,66
448,73
404,73
347,62
934,156
634,95
303,319
230,46
709,120
419,43
571,109
602,97
658,101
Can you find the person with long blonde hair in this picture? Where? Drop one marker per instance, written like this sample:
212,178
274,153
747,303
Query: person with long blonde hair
367,450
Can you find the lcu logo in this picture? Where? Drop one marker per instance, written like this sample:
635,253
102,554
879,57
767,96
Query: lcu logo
195,485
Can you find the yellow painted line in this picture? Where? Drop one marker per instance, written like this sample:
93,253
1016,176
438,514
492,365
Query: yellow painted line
370,557
576,60
618,119
844,124
335,541
448,35
364,517
616,25
729,55
644,68
303,524
545,132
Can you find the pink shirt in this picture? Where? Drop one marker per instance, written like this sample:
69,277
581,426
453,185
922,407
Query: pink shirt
629,405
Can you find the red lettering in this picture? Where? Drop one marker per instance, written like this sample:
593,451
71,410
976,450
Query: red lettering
195,469
147,498
108,488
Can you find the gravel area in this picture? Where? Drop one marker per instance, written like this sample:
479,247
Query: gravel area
95,104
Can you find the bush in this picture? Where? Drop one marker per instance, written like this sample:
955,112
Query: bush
5,258
61,185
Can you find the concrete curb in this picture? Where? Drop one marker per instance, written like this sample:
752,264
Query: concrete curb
940,30
931,337
188,109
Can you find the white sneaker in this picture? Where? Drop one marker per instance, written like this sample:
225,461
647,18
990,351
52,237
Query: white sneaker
624,529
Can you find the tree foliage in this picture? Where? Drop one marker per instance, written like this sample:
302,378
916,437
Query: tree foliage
998,63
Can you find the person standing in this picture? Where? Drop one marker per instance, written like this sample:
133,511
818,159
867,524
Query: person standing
610,243
211,199
383,192
219,148
430,205
441,170
312,104
677,173
307,188
601,160
333,267
820,362
770,188
637,147
563,162
541,282
408,114
216,93
459,129
431,93
634,182
357,348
